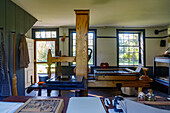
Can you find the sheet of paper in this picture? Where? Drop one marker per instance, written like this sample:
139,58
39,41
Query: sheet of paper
85,105
135,107
9,107
138,68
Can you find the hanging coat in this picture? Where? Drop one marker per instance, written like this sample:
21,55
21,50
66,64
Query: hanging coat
5,86
24,56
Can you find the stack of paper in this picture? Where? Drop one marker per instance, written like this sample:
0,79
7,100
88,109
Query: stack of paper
85,105
9,107
135,107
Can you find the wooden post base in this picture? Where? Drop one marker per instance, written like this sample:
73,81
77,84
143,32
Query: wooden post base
83,93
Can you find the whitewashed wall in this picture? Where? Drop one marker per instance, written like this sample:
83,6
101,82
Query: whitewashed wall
106,46
64,45
153,49
153,45
106,32
29,33
107,51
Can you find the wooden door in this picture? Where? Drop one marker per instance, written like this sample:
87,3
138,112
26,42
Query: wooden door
30,70
41,49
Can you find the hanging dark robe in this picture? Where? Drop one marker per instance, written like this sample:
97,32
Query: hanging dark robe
5,86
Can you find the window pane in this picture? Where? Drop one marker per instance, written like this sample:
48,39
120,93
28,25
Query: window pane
90,35
121,49
121,55
120,41
130,36
90,42
74,42
43,34
53,33
136,62
131,49
121,36
125,42
74,50
136,49
37,34
137,56
48,34
74,36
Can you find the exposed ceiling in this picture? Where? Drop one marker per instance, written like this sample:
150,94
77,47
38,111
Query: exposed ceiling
116,13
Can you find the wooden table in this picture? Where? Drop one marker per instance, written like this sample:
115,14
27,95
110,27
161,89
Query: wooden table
160,101
25,98
77,83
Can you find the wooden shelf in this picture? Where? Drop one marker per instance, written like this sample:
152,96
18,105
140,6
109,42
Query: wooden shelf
162,59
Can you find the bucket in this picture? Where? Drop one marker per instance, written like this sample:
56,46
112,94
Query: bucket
43,78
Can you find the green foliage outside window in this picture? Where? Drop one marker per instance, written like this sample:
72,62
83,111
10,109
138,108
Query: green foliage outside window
128,49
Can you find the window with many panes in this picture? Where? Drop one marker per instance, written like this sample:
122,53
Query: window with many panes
91,45
129,48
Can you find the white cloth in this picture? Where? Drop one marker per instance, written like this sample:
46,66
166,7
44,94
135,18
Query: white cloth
138,68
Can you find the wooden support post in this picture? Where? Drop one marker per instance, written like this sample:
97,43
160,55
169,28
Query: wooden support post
49,62
59,65
59,91
82,25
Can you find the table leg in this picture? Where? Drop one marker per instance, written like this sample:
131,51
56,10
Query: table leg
140,89
59,93
39,92
77,93
83,93
29,90
48,92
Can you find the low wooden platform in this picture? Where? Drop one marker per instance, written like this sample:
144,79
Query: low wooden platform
112,83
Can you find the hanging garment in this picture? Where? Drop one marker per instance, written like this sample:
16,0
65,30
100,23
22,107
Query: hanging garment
24,56
5,86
